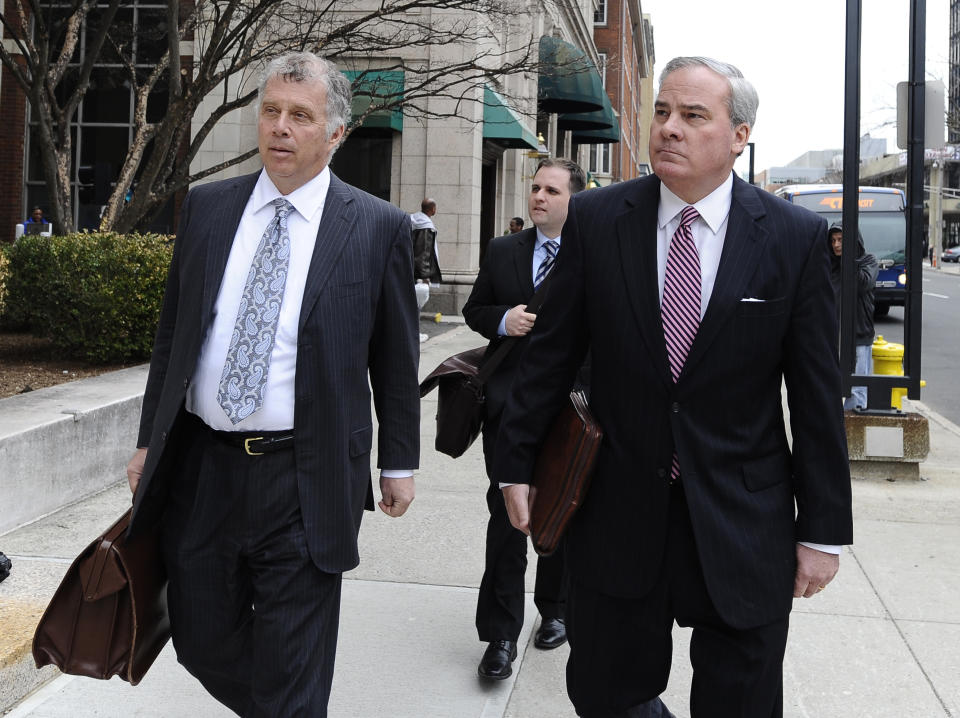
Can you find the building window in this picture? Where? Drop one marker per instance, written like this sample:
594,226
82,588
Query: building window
602,57
600,159
365,160
600,14
102,128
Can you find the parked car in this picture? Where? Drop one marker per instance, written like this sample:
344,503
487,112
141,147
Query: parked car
951,255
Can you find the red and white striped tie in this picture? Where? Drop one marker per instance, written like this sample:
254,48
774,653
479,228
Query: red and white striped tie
680,308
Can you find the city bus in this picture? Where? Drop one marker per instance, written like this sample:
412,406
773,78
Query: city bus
883,224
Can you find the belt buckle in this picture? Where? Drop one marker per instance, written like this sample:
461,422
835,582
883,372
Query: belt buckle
246,446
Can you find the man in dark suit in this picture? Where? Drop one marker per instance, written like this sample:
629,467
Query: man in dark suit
257,420
512,268
696,294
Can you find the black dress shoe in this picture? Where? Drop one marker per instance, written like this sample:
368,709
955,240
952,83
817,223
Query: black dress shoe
496,660
551,634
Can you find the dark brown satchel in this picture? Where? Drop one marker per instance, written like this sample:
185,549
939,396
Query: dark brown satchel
460,400
460,378
561,475
109,615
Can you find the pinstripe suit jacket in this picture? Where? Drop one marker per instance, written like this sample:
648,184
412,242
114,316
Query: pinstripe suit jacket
750,497
358,320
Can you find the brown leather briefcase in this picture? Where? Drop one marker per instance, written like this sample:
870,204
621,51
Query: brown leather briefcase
561,475
460,400
109,615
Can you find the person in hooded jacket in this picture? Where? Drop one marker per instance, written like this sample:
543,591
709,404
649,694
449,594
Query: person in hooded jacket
426,263
867,268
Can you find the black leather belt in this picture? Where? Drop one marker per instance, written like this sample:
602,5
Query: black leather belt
257,442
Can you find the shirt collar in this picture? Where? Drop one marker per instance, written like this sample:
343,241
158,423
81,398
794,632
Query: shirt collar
542,238
306,199
713,208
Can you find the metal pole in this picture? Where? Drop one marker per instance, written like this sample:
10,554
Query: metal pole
750,145
851,180
912,312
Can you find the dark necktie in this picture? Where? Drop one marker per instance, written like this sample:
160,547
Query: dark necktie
680,308
251,346
551,246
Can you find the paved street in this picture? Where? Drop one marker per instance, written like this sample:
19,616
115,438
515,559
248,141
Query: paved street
940,338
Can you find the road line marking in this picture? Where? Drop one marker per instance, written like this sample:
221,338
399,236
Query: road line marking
938,296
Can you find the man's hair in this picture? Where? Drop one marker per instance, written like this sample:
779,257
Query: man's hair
427,205
742,100
36,209
578,178
307,67
517,221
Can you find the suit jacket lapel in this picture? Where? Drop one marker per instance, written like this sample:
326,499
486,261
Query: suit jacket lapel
637,234
336,227
222,225
523,260
742,247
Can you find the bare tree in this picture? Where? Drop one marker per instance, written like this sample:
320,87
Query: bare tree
231,40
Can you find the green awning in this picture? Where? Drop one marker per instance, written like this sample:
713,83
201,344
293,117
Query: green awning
502,125
375,87
592,128
597,137
568,81
603,119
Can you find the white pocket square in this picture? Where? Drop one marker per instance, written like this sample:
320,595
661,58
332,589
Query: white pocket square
752,299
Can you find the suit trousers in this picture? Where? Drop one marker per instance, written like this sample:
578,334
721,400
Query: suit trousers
252,617
501,597
621,648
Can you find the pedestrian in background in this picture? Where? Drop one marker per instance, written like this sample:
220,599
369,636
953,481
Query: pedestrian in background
426,264
36,217
698,296
256,431
866,277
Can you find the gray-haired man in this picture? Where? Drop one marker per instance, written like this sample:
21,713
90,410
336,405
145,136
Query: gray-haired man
256,430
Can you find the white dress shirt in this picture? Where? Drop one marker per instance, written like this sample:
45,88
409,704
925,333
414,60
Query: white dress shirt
276,414
303,224
709,231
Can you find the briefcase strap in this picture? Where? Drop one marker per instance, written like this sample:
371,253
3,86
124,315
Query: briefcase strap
507,344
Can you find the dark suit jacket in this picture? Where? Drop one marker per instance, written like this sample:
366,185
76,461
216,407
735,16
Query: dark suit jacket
358,318
750,498
505,280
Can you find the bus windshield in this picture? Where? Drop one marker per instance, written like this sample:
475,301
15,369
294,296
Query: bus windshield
884,233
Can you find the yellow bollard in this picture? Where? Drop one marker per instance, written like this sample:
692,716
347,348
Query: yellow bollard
888,360
438,317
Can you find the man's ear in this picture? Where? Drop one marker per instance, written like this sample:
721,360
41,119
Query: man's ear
741,135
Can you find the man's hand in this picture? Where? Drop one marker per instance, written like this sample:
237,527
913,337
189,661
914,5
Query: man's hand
396,495
815,569
519,322
135,469
518,501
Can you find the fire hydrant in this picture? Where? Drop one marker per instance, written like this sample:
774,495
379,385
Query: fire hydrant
888,359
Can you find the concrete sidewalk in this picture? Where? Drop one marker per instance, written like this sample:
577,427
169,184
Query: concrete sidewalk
882,640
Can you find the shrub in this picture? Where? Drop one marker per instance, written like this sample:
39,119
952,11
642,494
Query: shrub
96,296
4,272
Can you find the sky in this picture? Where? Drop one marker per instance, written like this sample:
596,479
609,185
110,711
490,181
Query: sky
793,53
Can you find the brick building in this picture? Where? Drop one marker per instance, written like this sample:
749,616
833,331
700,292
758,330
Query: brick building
624,40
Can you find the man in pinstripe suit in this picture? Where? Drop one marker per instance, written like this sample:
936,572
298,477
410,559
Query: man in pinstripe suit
699,512
255,460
